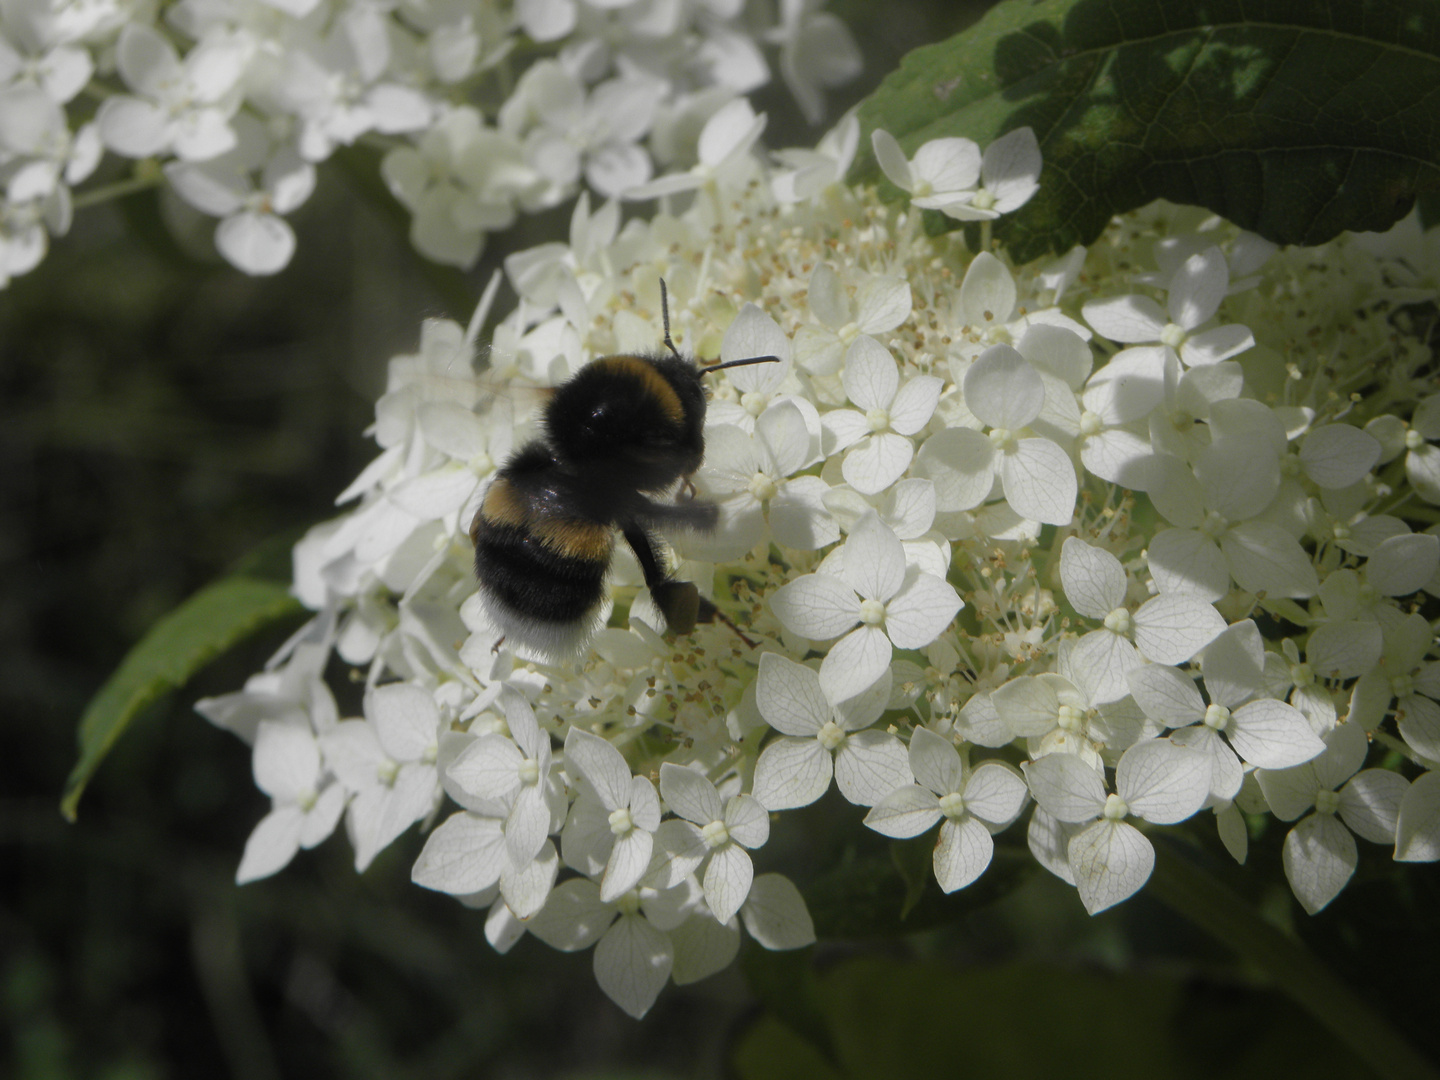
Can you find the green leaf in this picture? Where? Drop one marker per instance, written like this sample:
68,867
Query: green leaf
210,622
1290,118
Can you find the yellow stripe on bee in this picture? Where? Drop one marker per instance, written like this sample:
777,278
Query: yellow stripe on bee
571,539
503,506
653,382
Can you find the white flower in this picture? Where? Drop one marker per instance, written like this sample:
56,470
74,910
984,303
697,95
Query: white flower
878,438
723,150
944,173
750,477
881,303
1215,507
39,155
1056,713
335,86
1009,177
775,914
1407,678
178,106
514,771
567,130
612,825
253,235
823,738
1195,293
1422,458
816,51
1006,394
306,801
941,176
719,831
876,602
641,938
461,181
1261,731
970,804
387,763
1417,829
1320,854
810,172
1168,629
1110,859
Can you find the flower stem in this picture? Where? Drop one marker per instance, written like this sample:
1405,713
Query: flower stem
143,179
1296,971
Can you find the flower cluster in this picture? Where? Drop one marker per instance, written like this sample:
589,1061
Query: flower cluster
238,101
1097,544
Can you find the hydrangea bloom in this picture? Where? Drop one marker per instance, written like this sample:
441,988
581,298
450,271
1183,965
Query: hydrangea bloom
483,113
954,606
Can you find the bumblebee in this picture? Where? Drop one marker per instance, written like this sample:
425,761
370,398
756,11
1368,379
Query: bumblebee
617,440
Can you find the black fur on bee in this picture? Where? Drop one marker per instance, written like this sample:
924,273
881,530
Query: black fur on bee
617,438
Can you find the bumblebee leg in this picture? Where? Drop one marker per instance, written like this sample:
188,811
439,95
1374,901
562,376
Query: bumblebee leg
708,612
678,601
695,515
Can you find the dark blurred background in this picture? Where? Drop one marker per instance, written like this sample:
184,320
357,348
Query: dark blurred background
160,416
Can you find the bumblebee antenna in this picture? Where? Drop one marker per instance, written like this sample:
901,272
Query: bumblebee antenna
739,363
665,317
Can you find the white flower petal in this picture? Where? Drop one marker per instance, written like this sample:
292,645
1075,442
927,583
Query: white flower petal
905,812
1101,662
789,697
855,663
727,881
1166,695
791,773
775,914
816,606
1111,861
1343,650
962,852
1126,318
464,855
1002,389
1417,832
871,377
629,860
601,764
1370,804
1162,782
1040,482
1320,858
1093,580
632,964
995,793
690,794
869,765
1170,629
961,464
875,463
271,845
1187,561
1338,455
1069,789
921,611
1265,558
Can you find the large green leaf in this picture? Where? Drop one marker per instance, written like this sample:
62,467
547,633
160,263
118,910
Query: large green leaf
1293,118
213,620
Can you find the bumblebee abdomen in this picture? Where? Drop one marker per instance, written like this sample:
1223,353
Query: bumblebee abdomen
542,573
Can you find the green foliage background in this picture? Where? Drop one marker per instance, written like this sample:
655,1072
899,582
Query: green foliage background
160,417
